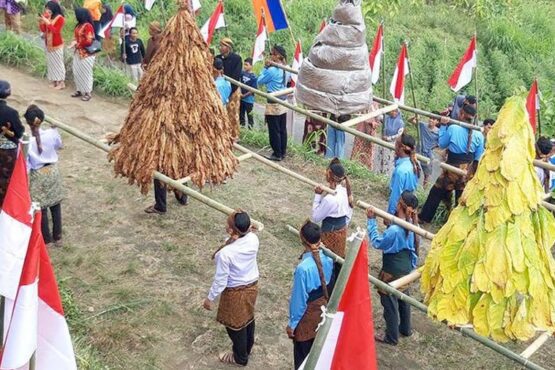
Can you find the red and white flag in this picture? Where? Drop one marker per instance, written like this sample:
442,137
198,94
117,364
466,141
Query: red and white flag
322,25
350,340
297,61
15,229
37,323
397,88
195,5
462,75
260,42
117,21
376,54
533,105
216,21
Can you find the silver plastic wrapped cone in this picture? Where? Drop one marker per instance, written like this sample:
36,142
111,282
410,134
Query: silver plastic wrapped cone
336,77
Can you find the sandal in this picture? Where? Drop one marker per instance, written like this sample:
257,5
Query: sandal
227,358
60,86
86,97
76,94
153,210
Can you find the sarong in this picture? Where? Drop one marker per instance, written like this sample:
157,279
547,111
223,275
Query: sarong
46,186
83,73
7,163
236,308
306,329
314,135
55,67
363,150
233,112
336,241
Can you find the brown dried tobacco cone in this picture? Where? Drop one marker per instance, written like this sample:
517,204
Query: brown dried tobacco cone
176,123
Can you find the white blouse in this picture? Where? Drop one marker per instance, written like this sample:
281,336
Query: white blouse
332,205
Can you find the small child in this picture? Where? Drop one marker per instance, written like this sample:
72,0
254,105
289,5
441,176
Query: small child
247,97
223,86
45,178
134,54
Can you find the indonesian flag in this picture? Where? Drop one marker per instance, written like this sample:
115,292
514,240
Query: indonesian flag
297,61
36,317
323,25
350,341
216,21
15,229
260,42
533,105
462,75
397,87
195,5
376,55
118,21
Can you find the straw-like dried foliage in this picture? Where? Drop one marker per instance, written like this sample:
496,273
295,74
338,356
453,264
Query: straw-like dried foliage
176,123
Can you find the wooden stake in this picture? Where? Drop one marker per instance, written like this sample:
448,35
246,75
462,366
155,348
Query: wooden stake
532,348
157,175
284,170
365,117
352,251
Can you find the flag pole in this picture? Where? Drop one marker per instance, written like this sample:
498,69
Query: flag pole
413,95
384,88
2,308
288,24
476,79
353,247
537,106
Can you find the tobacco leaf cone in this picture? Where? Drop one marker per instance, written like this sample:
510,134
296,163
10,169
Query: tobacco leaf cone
491,264
176,123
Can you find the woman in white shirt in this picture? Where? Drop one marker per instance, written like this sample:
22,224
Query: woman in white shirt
45,178
334,211
236,280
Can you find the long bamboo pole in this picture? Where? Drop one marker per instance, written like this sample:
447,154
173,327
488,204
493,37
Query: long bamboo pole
465,331
413,97
241,158
396,220
157,175
540,341
352,251
365,117
406,280
284,170
287,91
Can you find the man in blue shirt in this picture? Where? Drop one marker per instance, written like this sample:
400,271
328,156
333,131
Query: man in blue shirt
464,149
247,97
406,172
223,86
429,136
275,115
461,101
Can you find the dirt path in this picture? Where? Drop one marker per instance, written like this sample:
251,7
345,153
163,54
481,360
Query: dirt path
150,273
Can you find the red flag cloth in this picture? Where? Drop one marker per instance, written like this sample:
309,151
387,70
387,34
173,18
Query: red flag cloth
322,26
355,345
297,61
533,105
260,42
462,75
375,57
213,23
397,87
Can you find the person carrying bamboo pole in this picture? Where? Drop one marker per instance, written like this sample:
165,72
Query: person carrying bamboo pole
406,173
11,130
236,279
312,285
233,67
464,149
400,257
334,210
393,127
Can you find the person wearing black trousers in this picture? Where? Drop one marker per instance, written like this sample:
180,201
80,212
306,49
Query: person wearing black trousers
160,198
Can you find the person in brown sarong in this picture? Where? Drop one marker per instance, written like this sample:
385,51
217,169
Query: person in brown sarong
233,68
314,135
11,131
334,210
312,285
236,279
153,44
363,150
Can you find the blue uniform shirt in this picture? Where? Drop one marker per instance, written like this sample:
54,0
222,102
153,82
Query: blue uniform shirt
403,179
306,280
274,78
393,240
249,79
455,139
224,88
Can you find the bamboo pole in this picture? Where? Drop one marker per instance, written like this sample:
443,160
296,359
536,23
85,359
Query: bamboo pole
364,117
406,280
465,331
532,348
241,158
396,220
282,169
157,175
2,309
287,91
284,67
352,251
413,96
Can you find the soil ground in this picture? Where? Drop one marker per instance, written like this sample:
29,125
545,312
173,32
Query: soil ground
140,279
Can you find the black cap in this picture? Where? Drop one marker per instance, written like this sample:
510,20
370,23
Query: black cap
281,51
5,89
471,99
470,110
218,64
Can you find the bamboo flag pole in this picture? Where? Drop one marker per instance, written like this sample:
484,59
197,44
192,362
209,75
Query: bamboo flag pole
538,110
413,95
384,88
354,243
157,175
465,331
476,80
